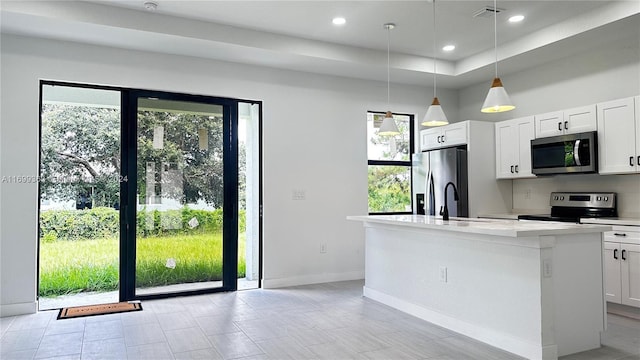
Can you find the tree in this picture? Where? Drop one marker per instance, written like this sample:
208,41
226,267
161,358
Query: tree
80,154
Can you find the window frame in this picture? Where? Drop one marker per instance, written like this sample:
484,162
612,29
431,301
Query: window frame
396,162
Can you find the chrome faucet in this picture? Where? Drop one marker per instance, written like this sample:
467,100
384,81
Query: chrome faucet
444,210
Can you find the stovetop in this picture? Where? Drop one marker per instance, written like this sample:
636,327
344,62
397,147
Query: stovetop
571,206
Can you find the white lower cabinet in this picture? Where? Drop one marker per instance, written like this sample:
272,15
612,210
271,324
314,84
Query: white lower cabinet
622,265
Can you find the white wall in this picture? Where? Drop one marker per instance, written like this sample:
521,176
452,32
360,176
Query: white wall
601,74
314,129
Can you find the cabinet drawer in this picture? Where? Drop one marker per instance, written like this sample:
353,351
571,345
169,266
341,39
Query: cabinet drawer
623,234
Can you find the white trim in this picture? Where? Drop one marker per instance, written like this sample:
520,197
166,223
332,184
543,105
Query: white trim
18,309
492,337
312,279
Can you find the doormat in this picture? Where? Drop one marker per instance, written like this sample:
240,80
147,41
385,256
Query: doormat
91,310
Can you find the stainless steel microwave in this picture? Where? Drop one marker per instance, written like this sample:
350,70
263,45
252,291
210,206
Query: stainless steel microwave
565,154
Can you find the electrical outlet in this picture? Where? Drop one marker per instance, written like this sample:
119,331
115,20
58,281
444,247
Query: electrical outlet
547,268
323,248
527,194
443,274
298,194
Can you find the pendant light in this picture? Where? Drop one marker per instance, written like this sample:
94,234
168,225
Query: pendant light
388,127
435,115
497,99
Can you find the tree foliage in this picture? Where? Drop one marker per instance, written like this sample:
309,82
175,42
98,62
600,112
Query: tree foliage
80,154
389,188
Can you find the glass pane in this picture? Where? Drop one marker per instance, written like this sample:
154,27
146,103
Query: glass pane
388,147
79,197
389,188
180,196
248,195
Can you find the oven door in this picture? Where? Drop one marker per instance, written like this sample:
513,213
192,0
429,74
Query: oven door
566,154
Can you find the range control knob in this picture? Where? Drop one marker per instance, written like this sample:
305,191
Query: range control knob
599,198
606,198
555,198
561,197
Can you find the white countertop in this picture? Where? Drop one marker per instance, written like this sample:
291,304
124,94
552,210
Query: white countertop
483,226
611,221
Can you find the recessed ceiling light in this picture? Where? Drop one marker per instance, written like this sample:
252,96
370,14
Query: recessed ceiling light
339,21
448,47
151,6
516,18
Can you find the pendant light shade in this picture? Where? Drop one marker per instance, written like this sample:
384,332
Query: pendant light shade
497,99
388,127
435,115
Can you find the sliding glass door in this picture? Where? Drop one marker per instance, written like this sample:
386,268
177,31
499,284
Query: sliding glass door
184,209
79,178
146,194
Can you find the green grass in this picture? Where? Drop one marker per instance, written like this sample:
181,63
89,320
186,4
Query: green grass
68,267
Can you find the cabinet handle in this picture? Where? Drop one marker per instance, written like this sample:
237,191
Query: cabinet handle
566,125
442,138
439,139
623,258
630,160
638,162
516,168
615,254
619,234
512,169
560,126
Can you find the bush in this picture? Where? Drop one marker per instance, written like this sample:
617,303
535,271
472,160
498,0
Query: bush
96,223
104,222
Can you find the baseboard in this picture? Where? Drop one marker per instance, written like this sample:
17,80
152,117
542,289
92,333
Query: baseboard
498,339
311,279
623,310
18,309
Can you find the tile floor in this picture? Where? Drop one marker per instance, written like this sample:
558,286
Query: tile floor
325,321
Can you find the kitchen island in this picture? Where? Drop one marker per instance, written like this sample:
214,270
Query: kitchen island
531,288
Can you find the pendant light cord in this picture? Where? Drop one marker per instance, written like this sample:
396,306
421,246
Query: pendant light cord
435,75
495,32
388,64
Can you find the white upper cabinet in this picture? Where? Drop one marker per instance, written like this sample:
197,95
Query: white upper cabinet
549,124
619,136
444,136
580,119
513,148
571,121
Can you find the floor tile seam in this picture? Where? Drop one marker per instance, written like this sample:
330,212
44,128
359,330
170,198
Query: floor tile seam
205,337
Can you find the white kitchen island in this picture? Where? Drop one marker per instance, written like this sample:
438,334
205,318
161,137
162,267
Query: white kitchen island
531,288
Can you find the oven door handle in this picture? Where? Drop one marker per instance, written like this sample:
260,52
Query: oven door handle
576,152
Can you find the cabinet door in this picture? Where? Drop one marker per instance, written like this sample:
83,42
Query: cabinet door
616,137
430,139
612,282
455,134
580,119
630,270
506,143
549,124
637,112
525,133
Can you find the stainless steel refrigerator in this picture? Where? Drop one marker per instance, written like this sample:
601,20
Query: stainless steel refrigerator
432,170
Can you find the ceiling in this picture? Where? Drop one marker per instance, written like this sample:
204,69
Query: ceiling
298,35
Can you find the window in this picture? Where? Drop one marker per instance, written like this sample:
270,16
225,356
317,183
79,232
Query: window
389,159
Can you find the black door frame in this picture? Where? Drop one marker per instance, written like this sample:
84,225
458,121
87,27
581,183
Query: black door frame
128,207
128,189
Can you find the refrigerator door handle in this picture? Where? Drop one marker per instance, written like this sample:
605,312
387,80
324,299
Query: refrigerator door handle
429,200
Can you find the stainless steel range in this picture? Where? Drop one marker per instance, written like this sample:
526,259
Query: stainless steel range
571,206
